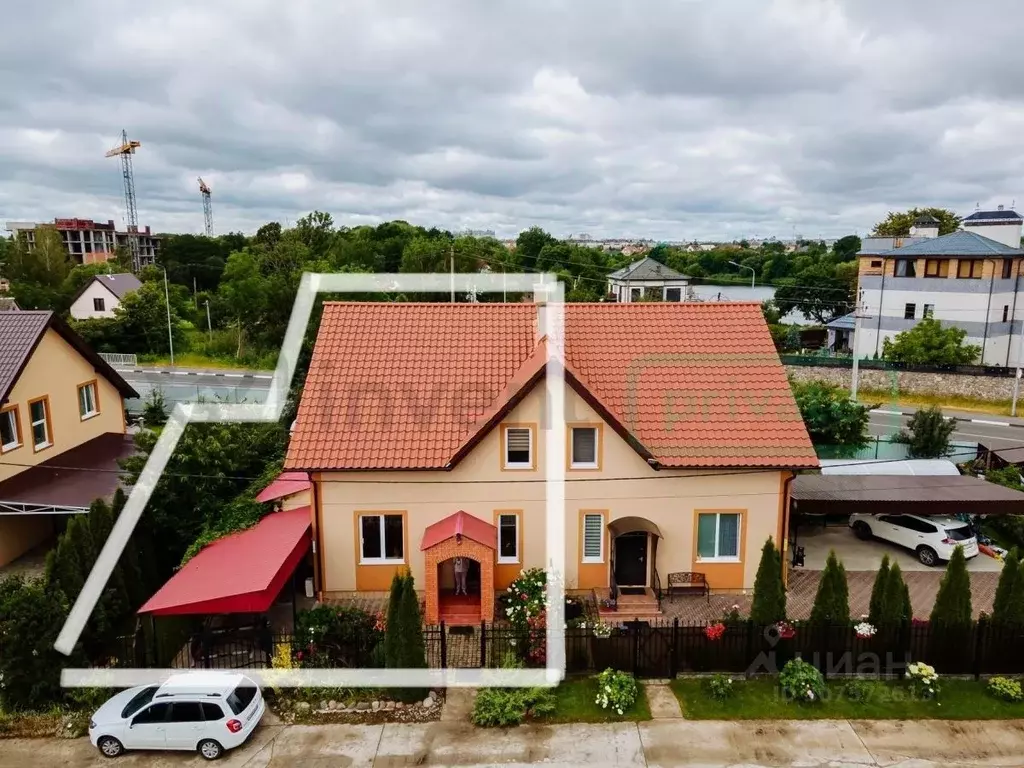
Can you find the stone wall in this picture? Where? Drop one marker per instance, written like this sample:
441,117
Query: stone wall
956,385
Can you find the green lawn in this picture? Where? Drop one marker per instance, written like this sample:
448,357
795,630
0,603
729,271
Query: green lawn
574,703
920,400
194,360
760,700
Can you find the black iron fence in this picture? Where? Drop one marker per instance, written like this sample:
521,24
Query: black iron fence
657,649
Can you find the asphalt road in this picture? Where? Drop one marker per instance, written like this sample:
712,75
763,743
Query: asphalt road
989,430
196,378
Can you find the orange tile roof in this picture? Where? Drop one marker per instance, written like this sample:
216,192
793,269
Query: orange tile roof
412,386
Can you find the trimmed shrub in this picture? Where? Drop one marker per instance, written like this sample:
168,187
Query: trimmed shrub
832,602
769,603
30,618
953,602
717,687
1006,610
896,608
801,682
878,592
504,707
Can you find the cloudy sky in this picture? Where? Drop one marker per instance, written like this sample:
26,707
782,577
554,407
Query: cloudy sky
671,119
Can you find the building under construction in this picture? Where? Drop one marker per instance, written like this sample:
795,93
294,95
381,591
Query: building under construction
90,242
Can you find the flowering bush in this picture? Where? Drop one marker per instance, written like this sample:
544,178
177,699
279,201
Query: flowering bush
381,622
537,642
600,629
714,631
732,618
282,658
865,630
526,597
785,630
615,690
924,680
1006,689
718,687
801,682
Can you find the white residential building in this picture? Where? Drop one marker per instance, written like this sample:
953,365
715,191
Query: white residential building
102,295
970,279
642,278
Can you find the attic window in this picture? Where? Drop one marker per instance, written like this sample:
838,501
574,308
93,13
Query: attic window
98,304
518,448
584,448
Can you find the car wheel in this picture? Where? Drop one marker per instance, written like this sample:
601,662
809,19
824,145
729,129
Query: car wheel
862,530
927,556
210,749
109,746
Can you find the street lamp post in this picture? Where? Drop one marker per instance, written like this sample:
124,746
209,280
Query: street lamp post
753,272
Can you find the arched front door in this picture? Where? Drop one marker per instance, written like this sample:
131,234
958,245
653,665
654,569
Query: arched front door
634,551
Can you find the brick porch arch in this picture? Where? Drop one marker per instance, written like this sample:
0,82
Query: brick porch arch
459,535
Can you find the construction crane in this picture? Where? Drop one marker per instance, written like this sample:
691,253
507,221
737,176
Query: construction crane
125,150
204,188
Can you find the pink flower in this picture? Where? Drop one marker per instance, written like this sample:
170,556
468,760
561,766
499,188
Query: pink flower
299,655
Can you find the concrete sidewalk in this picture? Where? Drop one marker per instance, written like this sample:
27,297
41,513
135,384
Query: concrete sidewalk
752,744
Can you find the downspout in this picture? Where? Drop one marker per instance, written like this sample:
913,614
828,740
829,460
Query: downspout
1013,314
784,543
881,297
988,310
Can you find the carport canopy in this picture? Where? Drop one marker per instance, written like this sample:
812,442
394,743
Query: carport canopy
907,494
240,573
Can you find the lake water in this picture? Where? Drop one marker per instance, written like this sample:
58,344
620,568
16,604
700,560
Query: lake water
745,293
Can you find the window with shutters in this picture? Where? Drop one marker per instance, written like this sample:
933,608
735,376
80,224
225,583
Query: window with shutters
909,311
936,268
593,537
518,447
969,269
718,536
508,537
585,445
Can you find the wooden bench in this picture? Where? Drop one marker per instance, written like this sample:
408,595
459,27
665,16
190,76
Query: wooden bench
687,582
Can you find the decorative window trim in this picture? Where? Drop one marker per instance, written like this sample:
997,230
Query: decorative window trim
19,437
45,400
95,399
584,558
518,466
598,427
740,535
381,514
518,515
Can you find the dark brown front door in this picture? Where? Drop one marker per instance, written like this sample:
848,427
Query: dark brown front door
631,559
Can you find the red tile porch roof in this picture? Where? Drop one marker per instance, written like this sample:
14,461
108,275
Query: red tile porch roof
461,523
414,386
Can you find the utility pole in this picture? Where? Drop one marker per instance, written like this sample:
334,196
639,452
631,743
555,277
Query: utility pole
170,336
855,378
451,261
209,325
1016,379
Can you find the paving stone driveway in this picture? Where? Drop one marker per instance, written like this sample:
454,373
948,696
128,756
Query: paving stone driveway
803,585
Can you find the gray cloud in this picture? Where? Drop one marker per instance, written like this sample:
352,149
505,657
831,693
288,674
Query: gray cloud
672,120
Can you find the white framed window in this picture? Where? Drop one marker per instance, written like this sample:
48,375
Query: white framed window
10,430
635,294
87,407
508,537
518,448
718,536
382,539
673,294
593,537
39,418
584,447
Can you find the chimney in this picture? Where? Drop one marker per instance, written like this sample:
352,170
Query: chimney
999,207
542,315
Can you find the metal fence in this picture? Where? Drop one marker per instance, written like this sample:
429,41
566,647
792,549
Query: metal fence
824,361
117,360
659,649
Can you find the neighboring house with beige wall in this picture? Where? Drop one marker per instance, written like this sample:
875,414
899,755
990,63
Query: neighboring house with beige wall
681,434
62,428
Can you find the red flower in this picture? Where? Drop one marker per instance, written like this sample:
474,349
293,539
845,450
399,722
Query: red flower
299,655
523,597
714,631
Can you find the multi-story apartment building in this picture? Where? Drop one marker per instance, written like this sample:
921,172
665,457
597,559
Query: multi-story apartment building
970,279
89,241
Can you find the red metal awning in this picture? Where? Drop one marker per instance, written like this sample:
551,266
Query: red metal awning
286,484
461,523
241,573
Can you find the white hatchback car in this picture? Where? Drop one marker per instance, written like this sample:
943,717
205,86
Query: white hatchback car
932,539
205,711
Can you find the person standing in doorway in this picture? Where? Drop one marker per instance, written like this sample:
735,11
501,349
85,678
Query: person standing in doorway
461,566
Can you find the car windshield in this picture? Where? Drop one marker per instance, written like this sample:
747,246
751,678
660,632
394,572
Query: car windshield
139,700
962,533
241,697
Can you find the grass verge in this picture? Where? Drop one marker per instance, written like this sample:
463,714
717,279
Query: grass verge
918,400
193,360
761,700
574,703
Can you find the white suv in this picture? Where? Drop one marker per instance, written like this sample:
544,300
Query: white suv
205,711
932,539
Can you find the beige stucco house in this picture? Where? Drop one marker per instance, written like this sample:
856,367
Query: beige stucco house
62,428
421,426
